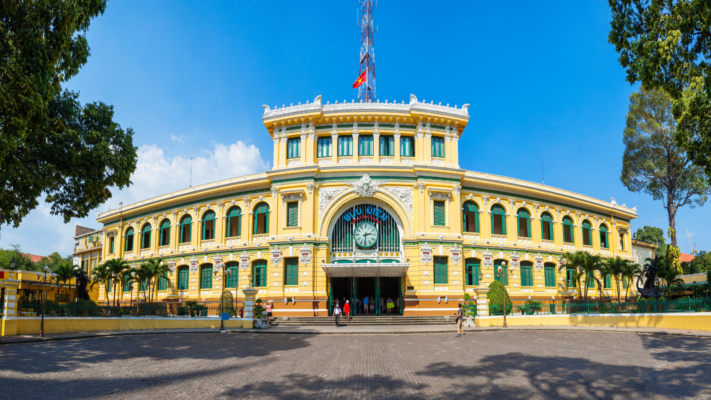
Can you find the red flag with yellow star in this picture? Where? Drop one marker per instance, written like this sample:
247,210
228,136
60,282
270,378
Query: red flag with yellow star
360,80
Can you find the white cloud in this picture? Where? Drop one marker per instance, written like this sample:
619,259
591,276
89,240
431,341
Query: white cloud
156,174
178,139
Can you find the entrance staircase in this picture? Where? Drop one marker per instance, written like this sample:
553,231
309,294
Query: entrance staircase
359,320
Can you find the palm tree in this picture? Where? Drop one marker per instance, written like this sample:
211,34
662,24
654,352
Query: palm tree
101,276
162,272
589,264
153,272
630,271
615,266
572,261
672,278
118,267
65,273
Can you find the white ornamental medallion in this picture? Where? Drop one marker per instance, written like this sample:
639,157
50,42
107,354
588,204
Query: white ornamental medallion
244,260
455,254
515,260
193,264
276,256
426,254
171,266
305,255
488,259
366,187
539,262
218,262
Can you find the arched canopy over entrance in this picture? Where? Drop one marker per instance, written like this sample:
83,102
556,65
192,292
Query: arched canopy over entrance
366,233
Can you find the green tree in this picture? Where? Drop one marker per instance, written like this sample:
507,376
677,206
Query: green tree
631,272
496,295
573,261
665,44
653,163
65,273
49,143
589,264
651,234
22,261
117,269
102,276
700,264
615,266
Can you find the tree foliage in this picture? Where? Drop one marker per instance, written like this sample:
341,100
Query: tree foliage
49,143
666,44
496,294
654,235
701,263
653,163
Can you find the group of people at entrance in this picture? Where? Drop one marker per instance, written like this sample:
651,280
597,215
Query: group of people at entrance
367,305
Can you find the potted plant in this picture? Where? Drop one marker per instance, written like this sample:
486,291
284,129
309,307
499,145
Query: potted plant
260,316
469,312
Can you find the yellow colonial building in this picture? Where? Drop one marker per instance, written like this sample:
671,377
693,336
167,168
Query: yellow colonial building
366,199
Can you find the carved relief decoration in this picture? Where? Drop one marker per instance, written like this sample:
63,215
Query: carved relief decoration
244,260
404,194
305,255
488,259
455,254
193,265
276,256
366,187
325,195
426,254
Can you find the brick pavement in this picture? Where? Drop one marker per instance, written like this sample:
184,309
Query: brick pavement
498,364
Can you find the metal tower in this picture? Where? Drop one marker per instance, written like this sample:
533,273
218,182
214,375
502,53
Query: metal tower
366,92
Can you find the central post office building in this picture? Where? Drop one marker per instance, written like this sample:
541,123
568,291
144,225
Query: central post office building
366,199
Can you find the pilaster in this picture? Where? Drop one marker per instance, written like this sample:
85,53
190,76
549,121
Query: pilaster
455,147
282,152
396,135
334,145
304,148
275,163
9,319
376,146
482,303
355,146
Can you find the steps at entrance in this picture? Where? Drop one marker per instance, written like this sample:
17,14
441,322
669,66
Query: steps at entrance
363,320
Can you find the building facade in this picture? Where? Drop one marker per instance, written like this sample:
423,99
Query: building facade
366,199
88,245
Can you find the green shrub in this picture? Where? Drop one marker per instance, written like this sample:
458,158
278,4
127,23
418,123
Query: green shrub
496,295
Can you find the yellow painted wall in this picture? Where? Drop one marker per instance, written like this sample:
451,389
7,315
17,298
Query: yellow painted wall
691,321
31,326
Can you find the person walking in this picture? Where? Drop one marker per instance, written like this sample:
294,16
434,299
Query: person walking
365,305
347,310
269,313
459,321
390,305
337,314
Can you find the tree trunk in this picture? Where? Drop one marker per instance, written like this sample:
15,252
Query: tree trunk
671,211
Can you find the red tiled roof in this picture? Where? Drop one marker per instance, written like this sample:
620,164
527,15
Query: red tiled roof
686,257
34,258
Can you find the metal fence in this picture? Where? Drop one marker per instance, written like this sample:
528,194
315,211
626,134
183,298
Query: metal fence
604,307
137,310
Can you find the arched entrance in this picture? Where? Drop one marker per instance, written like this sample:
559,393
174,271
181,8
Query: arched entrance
367,266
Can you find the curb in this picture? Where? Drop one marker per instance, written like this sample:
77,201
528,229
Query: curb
268,332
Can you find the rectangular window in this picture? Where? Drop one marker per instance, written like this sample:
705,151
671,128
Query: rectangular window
129,242
292,213
547,230
291,271
407,146
345,146
473,269
524,227
526,275
293,147
591,282
323,147
261,223
569,275
440,270
550,276
111,245
608,283
206,278
387,146
260,273
163,282
437,147
439,218
471,221
183,278
622,241
498,226
365,145
109,288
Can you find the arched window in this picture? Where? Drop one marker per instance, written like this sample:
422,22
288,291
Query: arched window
260,273
526,273
568,235
470,213
233,277
502,276
146,236
129,239
186,229
183,277
234,222
546,226
473,266
498,220
164,238
208,226
206,276
261,219
604,237
587,233
524,223
549,269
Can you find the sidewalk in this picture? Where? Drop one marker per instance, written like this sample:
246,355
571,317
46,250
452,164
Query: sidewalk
348,330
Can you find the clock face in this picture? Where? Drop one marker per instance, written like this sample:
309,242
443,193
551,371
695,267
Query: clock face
366,234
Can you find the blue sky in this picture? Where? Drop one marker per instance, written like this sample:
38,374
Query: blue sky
191,78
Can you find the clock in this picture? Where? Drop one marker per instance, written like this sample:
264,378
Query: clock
366,235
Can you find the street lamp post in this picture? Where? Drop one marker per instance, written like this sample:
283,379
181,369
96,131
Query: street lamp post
501,273
46,277
225,274
12,263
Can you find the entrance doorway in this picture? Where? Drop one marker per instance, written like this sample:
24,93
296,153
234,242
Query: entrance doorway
377,289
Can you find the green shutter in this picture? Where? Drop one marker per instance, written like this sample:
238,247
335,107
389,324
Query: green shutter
233,277
292,214
111,246
291,271
183,278
206,281
550,276
439,213
440,270
526,274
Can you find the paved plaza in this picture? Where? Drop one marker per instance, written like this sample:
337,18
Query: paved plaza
513,364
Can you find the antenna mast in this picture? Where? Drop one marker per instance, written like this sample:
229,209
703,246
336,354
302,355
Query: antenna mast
366,92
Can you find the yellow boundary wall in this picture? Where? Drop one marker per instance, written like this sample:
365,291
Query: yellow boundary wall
31,325
691,321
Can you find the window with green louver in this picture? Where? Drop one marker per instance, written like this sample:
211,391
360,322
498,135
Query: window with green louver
260,273
387,145
365,145
568,234
526,273
470,214
473,266
498,220
233,276
546,226
437,147
407,146
345,146
439,216
163,281
293,148
323,147
524,223
206,277
549,270
291,271
183,277
292,213
440,270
